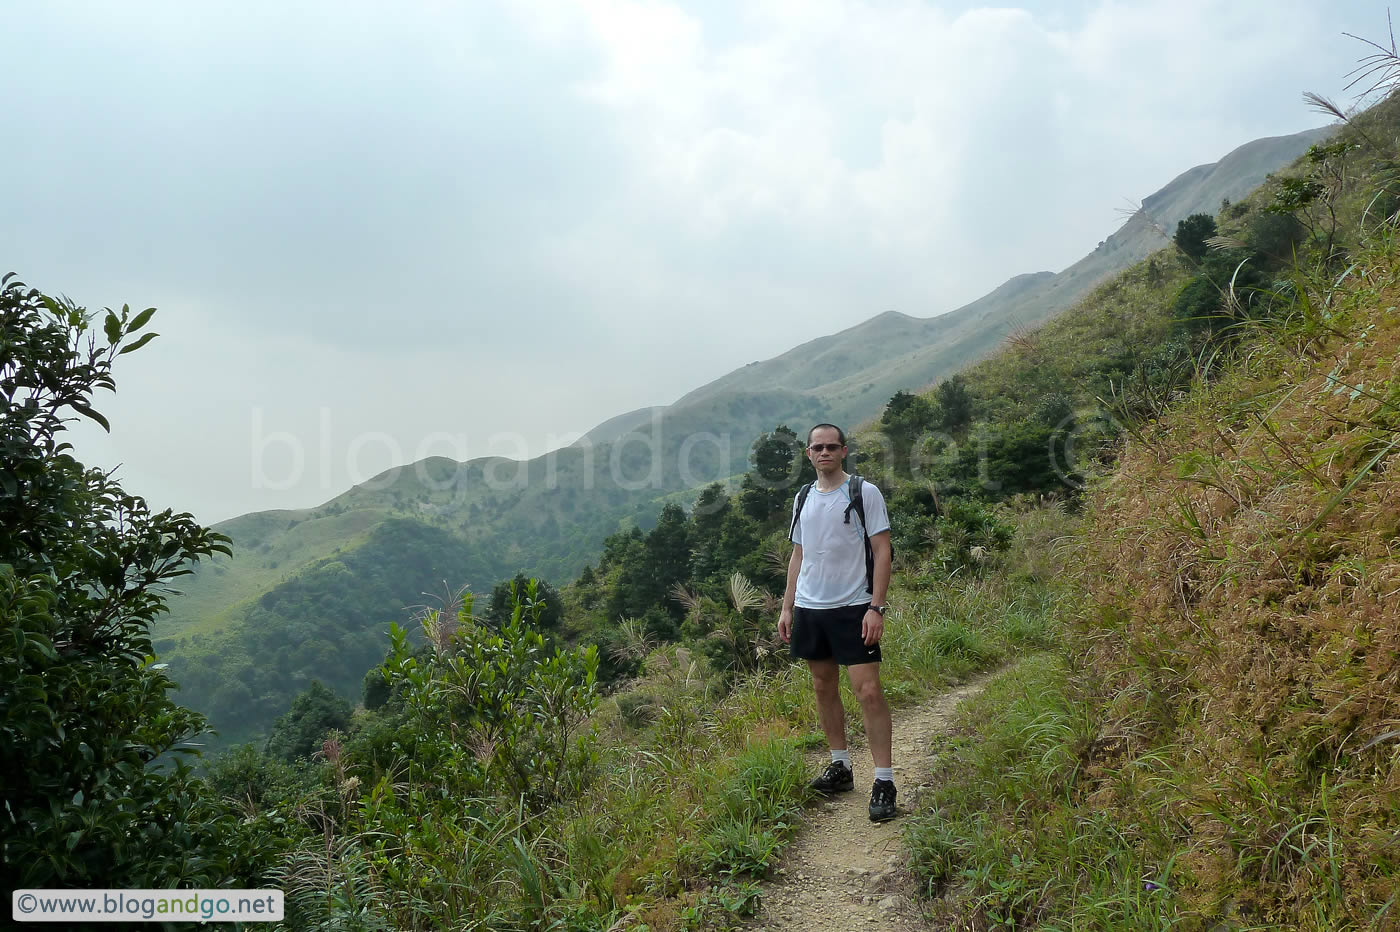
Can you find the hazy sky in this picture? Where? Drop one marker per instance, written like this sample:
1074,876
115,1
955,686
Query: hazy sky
382,231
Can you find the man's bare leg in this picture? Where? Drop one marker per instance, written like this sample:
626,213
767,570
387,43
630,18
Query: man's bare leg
826,683
865,683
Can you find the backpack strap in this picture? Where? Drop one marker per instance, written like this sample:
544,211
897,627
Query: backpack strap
857,505
797,507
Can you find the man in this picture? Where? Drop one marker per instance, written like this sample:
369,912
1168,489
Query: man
834,610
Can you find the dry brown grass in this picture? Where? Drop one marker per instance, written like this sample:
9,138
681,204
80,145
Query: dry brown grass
1244,578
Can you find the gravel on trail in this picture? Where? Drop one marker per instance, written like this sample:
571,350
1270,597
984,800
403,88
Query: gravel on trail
842,871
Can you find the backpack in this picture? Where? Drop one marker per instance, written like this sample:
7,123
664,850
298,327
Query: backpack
857,504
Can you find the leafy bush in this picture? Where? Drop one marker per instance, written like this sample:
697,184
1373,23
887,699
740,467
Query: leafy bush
1192,233
84,710
969,534
638,709
505,711
299,731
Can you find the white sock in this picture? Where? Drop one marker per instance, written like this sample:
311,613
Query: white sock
844,756
884,773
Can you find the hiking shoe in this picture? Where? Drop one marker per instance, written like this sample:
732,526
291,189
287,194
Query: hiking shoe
882,807
836,778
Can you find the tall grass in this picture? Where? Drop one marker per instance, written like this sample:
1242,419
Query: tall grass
1213,741
698,794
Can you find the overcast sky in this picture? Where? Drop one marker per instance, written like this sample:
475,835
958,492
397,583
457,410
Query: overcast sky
382,231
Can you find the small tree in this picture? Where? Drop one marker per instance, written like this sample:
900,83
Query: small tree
84,709
1192,233
907,417
299,731
504,595
954,404
778,468
497,712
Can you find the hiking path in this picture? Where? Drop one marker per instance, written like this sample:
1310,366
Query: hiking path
841,871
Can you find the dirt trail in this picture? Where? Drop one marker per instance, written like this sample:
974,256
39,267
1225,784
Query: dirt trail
843,871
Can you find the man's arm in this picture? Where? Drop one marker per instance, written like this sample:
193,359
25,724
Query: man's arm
880,585
790,592
873,625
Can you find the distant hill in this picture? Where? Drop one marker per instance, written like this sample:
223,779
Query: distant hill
250,632
615,427
847,369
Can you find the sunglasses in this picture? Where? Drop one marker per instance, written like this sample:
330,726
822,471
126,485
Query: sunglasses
825,447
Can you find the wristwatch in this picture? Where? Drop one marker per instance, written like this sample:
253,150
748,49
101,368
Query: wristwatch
879,608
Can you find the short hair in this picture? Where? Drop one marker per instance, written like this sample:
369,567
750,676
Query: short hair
840,434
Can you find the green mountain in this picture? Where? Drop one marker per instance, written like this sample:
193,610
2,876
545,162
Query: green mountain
853,372
309,593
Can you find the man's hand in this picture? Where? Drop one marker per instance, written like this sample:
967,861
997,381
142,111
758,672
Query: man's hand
785,626
872,626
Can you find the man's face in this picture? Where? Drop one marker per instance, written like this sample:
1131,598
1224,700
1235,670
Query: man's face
825,450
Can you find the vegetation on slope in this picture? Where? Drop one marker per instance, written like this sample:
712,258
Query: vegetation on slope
550,516
1208,738
84,712
1213,744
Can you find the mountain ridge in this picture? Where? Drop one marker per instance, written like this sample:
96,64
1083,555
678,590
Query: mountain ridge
549,515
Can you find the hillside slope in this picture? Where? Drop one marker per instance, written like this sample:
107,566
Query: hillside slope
1212,743
548,516
934,347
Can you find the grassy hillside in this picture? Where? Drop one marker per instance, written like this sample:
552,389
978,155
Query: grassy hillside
1214,744
242,645
1197,729
274,547
937,346
549,516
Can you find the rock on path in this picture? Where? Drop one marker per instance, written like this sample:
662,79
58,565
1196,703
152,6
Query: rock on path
844,872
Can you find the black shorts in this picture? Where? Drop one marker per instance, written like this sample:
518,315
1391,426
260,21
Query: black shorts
831,634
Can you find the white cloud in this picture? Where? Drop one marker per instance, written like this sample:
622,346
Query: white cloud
531,216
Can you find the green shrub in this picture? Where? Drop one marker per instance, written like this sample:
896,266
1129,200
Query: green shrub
1192,233
85,715
299,731
520,706
638,709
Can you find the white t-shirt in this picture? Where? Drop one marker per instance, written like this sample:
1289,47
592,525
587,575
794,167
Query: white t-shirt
833,553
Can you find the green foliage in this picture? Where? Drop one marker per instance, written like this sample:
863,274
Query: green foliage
374,689
737,635
1155,381
969,535
647,566
954,403
1275,236
84,712
1315,196
907,418
505,694
256,781
1015,456
761,801
507,594
1192,233
299,731
1032,420
323,623
1199,302
707,521
638,709
779,468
